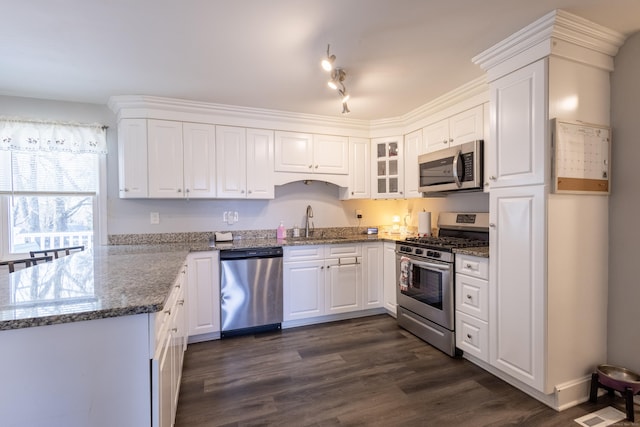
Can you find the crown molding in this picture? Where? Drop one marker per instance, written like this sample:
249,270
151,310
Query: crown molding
146,106
557,25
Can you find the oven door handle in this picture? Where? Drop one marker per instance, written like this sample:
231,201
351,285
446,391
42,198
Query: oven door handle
440,267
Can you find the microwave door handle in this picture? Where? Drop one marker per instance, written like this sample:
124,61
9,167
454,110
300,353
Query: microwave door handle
456,159
430,265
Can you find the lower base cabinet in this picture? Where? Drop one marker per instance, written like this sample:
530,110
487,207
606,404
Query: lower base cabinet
321,280
390,277
166,366
472,305
203,290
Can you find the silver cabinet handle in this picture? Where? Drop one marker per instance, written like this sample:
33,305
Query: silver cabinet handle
168,312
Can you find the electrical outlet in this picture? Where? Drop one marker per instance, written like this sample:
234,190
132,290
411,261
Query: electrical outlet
155,218
358,213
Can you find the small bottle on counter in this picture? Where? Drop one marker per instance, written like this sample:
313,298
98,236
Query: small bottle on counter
281,232
296,231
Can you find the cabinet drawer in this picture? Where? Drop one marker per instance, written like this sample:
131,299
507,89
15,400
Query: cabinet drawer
345,250
472,296
472,336
303,253
472,266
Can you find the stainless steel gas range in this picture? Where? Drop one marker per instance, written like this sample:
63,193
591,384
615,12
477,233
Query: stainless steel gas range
426,268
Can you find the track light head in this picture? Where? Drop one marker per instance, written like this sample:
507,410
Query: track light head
327,63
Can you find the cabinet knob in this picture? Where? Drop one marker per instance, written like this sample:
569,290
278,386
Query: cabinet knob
445,141
167,312
352,193
179,190
310,166
316,166
469,336
181,302
468,296
450,139
174,330
241,191
328,266
492,225
249,191
492,178
186,190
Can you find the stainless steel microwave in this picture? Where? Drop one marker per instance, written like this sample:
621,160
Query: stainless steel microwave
457,168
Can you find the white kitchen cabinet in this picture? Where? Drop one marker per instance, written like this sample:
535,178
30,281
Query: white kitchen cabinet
204,296
359,170
260,157
244,159
322,280
519,142
472,305
413,146
199,160
231,163
455,130
180,161
387,167
390,278
166,364
132,158
373,275
165,159
309,154
517,295
343,278
303,289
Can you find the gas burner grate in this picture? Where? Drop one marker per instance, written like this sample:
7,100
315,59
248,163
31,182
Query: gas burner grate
448,242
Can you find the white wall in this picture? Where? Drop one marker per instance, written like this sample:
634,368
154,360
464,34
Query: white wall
132,216
624,230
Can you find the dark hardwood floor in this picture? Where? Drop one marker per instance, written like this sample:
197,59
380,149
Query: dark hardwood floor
363,371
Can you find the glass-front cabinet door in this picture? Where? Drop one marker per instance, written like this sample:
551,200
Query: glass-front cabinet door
387,168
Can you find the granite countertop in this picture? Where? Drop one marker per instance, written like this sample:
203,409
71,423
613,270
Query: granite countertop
482,251
107,281
120,280
246,243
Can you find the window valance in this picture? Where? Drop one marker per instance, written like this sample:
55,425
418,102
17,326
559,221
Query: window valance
32,135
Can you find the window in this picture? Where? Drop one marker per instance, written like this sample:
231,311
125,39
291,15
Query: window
49,184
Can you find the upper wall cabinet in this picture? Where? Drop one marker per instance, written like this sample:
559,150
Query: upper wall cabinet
132,158
359,170
413,146
519,118
307,153
455,130
244,163
387,168
181,161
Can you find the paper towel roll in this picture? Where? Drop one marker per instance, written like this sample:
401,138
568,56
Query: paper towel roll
424,223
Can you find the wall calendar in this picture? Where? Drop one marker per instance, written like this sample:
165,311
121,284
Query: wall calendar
580,157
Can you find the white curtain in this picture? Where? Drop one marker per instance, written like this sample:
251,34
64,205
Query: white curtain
31,135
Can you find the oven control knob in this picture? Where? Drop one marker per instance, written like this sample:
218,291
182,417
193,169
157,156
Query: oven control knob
418,252
429,253
436,254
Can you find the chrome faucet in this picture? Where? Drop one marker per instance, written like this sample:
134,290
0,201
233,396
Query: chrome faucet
306,224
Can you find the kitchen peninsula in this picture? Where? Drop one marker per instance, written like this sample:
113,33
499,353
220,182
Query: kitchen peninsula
77,335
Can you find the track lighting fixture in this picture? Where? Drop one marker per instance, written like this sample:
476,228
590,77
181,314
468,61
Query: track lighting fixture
338,75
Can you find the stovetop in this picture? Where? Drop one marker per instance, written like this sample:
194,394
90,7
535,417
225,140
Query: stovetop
446,243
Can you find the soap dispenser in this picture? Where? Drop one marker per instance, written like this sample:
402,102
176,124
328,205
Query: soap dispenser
281,232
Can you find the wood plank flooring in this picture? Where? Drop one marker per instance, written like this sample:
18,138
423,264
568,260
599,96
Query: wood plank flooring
359,372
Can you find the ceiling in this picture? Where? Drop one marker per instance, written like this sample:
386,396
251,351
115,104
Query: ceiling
398,54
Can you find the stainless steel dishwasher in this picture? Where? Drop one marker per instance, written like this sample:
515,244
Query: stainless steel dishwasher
250,290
